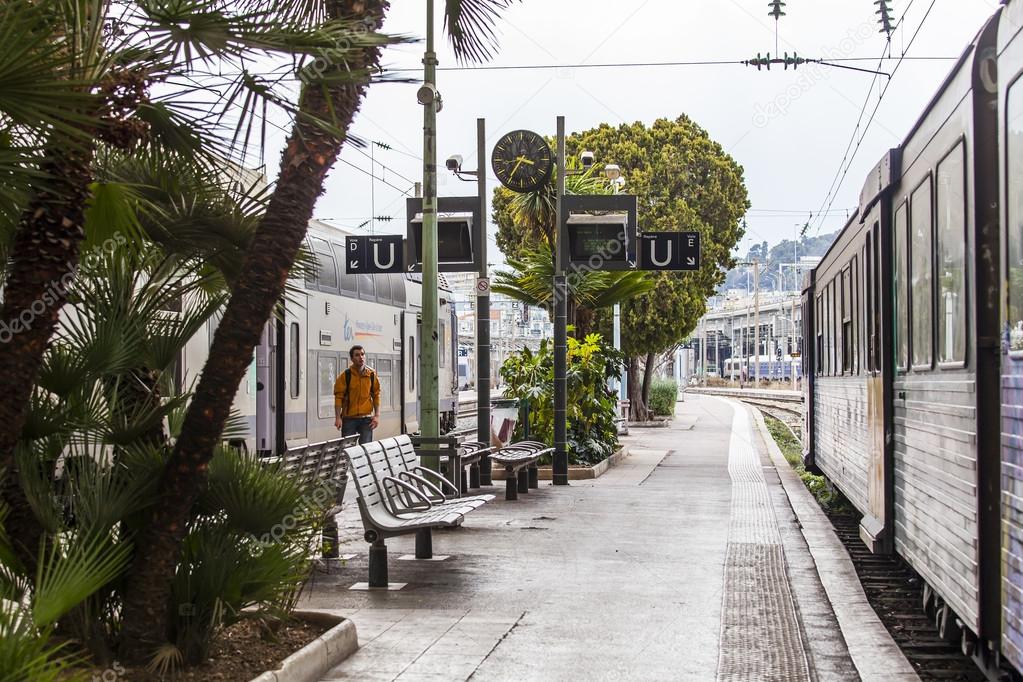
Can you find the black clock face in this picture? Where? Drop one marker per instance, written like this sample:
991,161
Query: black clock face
522,161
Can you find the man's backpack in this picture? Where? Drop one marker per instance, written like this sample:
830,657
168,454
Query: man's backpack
348,384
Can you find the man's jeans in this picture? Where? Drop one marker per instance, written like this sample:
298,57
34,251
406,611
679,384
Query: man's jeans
358,425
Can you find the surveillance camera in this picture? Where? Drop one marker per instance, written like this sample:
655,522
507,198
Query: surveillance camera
454,163
587,159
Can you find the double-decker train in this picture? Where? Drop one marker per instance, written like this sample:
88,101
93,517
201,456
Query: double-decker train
914,353
287,396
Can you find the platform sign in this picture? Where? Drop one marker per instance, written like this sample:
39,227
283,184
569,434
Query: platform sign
373,255
667,251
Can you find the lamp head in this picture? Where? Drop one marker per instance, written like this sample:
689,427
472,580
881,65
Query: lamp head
612,172
586,158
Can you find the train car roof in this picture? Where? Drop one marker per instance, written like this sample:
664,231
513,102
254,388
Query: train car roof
1011,23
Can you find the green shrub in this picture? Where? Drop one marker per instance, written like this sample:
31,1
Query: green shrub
529,377
663,395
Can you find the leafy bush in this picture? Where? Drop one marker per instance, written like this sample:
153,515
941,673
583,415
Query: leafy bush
529,377
663,395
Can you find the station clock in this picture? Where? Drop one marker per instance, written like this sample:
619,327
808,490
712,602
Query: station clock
522,161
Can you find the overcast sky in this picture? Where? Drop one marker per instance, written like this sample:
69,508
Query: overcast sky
788,129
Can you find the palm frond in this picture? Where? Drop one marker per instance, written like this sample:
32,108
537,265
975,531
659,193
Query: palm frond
471,25
69,573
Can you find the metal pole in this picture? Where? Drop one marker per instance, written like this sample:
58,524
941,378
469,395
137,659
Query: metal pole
703,352
428,368
560,468
623,383
372,190
483,310
756,317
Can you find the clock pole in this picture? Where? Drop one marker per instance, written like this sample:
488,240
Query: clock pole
483,309
560,468
429,424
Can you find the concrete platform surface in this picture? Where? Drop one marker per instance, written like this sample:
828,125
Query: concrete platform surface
685,562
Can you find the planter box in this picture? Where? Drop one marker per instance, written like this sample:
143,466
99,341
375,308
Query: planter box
577,472
315,659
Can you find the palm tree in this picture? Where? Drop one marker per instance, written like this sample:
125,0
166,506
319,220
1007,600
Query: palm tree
326,107
77,77
532,277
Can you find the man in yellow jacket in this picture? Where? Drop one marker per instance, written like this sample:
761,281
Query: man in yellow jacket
357,398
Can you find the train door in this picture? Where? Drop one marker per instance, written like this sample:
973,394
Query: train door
266,393
294,370
320,408
410,371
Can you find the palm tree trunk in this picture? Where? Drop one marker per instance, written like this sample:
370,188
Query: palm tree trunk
43,260
309,155
637,406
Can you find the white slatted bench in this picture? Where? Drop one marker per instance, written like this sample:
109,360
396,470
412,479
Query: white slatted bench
405,464
520,469
316,465
384,512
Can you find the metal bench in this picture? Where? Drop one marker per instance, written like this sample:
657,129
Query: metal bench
321,464
404,462
519,462
384,512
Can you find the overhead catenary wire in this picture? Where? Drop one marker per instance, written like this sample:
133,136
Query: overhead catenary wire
847,159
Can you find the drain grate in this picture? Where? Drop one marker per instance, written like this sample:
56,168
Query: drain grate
760,636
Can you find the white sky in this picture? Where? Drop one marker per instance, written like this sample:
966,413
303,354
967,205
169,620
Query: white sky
790,158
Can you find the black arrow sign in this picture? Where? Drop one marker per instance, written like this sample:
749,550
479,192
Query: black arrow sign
374,255
669,251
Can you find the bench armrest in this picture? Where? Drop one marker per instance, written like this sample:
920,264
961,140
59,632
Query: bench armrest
431,473
395,509
423,482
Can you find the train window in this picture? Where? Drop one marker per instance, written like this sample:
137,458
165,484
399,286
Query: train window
1014,235
383,285
326,372
384,368
293,357
920,272
901,290
398,290
868,300
410,358
367,287
951,257
326,267
349,283
443,345
847,321
819,355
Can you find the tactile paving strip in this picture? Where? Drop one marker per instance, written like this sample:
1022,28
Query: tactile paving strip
760,637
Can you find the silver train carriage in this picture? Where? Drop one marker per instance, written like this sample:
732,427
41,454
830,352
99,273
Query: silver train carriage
907,337
287,397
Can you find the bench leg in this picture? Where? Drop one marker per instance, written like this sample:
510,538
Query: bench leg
424,544
378,564
329,539
474,475
485,471
534,476
511,487
523,480
465,482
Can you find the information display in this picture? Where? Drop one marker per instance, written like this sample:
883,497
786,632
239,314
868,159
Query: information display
374,255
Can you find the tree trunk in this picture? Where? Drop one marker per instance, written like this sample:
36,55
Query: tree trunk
43,260
648,375
637,406
308,157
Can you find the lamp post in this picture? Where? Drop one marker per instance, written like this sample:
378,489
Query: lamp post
454,164
614,175
559,473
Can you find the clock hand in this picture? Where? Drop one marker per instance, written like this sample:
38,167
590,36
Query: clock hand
524,159
518,163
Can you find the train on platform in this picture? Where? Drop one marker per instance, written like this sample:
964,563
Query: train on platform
771,368
287,396
914,353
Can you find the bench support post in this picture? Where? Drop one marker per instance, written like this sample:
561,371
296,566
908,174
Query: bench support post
474,475
329,539
464,482
511,488
424,544
524,479
378,564
486,466
534,476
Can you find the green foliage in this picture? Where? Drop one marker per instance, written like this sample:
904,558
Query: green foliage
27,652
663,396
828,498
683,181
529,377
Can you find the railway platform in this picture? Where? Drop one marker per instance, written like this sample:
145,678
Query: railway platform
699,557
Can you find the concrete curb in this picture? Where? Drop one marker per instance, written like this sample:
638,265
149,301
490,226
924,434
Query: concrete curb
576,472
872,649
315,659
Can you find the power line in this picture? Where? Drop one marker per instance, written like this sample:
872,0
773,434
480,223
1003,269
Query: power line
630,65
843,167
